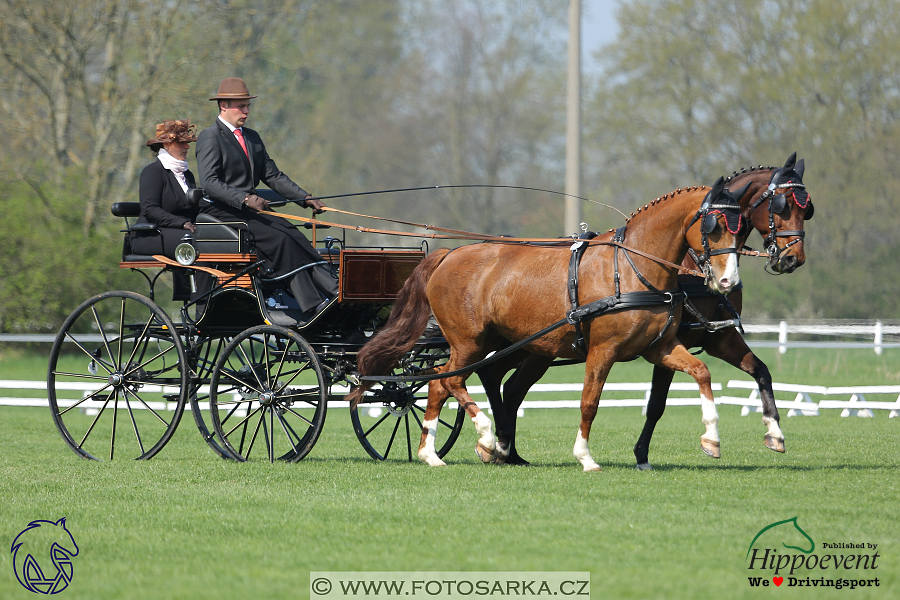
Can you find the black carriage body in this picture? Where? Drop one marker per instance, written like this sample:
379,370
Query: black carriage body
258,383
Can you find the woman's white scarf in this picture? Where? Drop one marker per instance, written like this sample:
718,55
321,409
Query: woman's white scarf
178,167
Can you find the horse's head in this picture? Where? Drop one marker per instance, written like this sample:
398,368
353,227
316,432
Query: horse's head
778,209
715,235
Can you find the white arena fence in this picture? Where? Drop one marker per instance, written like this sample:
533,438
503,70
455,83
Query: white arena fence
824,333
802,400
808,400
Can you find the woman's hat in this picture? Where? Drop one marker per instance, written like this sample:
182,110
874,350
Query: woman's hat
172,130
232,88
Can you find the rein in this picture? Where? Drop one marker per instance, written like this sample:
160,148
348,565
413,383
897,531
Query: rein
464,235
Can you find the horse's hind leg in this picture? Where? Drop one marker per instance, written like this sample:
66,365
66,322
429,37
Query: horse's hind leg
438,392
731,347
656,405
437,395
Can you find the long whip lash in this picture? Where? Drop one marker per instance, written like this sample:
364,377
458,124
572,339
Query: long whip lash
450,187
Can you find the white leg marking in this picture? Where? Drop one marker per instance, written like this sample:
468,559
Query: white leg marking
583,454
710,418
483,427
427,453
774,429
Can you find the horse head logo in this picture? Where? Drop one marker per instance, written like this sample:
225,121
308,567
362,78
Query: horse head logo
787,531
48,543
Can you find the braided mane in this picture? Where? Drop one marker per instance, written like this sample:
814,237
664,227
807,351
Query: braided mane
661,199
748,170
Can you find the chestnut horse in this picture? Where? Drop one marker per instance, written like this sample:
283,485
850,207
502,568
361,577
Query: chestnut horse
488,296
777,206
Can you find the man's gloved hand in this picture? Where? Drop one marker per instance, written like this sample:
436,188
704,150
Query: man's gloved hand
254,202
315,204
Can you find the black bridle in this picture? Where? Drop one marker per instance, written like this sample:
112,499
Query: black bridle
780,205
726,204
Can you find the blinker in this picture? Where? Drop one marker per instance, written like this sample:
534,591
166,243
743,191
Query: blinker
708,225
781,206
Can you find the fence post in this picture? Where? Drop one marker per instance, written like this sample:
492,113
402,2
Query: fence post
782,337
878,337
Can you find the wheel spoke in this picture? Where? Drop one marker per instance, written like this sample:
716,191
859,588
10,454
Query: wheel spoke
387,450
137,434
109,367
147,406
112,437
86,398
97,418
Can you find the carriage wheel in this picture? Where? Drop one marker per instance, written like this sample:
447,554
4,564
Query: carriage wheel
268,395
117,382
204,354
389,420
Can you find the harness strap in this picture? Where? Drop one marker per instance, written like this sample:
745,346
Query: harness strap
577,250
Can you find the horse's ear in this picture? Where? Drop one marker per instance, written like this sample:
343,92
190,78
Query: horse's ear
789,163
717,188
740,193
801,166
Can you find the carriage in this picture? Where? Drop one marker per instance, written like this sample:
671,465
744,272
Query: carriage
259,384
122,370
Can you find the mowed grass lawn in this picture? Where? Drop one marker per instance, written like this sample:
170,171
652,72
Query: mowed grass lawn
189,525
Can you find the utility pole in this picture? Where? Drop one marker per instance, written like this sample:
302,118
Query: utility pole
573,122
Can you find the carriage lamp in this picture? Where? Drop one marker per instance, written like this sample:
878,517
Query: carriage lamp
185,253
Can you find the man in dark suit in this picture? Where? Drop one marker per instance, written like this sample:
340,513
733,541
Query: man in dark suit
231,162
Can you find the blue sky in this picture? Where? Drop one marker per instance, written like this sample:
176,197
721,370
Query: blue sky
598,27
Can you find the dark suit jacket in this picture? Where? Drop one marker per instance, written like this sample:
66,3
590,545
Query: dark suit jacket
162,200
226,175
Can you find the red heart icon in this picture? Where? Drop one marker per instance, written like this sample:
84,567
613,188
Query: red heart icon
778,580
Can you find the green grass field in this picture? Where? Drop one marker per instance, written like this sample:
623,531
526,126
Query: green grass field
187,524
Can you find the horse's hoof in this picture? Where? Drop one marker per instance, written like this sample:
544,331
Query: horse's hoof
486,455
515,459
711,448
433,461
774,444
643,467
593,469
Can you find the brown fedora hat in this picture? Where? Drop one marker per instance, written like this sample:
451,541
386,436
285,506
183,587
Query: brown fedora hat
173,130
232,88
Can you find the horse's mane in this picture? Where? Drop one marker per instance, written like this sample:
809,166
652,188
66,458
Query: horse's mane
660,199
748,171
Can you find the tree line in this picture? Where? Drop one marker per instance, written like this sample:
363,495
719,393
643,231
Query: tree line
383,94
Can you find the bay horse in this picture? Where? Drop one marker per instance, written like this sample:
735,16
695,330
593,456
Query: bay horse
776,204
486,297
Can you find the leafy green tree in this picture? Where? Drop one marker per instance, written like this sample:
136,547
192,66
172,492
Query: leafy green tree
692,90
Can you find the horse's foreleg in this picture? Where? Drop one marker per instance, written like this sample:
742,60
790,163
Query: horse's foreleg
679,359
656,405
437,395
731,347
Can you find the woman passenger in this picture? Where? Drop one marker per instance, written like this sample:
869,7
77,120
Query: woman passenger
163,191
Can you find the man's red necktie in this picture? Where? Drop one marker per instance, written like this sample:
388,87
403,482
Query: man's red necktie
240,137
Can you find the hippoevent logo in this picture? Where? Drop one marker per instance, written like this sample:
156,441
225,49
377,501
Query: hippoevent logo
42,556
782,553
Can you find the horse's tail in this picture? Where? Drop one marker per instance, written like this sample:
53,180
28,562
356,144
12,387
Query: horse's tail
408,320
